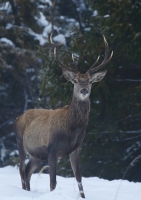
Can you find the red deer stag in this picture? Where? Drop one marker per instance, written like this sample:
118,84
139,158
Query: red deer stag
52,134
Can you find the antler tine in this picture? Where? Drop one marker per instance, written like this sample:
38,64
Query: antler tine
73,57
56,55
51,38
94,63
57,59
75,64
105,60
102,64
106,49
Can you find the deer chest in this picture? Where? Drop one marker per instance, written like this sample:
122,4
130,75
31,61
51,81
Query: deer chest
66,142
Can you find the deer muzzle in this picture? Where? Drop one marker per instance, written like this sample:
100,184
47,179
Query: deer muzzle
84,91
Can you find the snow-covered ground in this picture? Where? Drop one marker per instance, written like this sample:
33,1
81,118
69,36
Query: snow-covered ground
95,188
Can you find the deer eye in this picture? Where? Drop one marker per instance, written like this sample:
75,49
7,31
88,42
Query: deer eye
90,82
75,81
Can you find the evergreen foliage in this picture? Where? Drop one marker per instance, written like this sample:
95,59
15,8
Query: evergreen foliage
19,67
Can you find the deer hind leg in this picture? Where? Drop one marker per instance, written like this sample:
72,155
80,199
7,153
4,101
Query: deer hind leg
29,170
74,158
22,156
22,153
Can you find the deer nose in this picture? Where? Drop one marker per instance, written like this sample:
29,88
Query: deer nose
84,91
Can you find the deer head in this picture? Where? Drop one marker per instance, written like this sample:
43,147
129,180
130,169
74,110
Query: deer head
83,82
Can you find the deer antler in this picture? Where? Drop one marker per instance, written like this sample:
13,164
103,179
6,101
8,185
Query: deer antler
105,61
55,46
74,63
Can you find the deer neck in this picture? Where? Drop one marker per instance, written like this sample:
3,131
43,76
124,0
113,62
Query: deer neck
79,112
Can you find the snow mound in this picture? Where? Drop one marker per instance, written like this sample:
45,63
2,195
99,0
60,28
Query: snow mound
9,191
67,189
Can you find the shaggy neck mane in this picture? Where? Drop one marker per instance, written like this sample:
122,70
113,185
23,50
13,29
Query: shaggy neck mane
79,112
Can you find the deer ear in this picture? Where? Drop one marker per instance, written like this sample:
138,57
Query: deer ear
98,76
69,75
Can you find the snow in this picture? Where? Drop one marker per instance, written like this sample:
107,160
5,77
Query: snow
70,20
41,20
106,16
95,13
131,132
9,42
67,189
60,39
9,26
5,6
47,30
37,36
87,29
46,1
97,102
13,153
2,152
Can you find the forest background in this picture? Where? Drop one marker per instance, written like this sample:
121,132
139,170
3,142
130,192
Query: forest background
30,77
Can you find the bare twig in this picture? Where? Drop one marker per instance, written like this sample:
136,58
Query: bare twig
129,166
40,172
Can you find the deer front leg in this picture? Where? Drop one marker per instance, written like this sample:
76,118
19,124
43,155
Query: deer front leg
74,157
52,162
